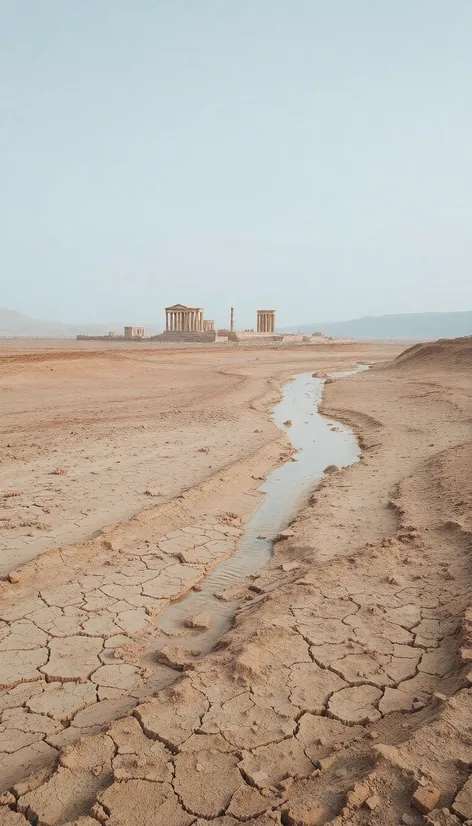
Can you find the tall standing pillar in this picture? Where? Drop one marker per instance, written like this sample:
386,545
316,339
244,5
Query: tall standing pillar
231,320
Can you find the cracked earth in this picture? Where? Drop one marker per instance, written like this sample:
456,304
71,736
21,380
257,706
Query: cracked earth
342,693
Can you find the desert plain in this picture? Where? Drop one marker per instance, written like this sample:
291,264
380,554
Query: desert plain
340,695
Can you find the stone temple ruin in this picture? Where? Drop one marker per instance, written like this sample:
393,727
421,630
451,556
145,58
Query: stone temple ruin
266,321
188,324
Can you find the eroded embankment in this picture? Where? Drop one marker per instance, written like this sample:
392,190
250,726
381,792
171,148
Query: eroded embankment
341,690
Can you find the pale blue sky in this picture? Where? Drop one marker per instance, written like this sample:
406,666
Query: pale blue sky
309,155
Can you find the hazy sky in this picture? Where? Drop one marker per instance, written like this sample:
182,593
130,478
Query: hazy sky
309,155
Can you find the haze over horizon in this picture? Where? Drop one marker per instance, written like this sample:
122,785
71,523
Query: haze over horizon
306,156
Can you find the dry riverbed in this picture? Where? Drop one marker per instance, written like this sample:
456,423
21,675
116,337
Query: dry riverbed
341,694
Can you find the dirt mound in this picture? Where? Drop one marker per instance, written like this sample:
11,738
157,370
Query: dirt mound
449,353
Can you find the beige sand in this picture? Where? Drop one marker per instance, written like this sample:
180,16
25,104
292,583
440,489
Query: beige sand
342,689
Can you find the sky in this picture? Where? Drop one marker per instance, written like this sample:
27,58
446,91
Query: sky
312,156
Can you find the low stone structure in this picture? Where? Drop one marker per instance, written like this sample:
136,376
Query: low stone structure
265,321
135,332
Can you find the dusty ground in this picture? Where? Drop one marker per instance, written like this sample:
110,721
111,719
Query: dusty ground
342,689
86,432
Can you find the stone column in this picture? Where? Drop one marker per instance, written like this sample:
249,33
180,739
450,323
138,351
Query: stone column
200,320
167,321
181,326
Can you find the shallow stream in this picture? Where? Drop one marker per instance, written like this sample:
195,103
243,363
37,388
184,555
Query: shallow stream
319,442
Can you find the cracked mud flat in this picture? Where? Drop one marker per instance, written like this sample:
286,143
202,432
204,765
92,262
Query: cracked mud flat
319,443
343,689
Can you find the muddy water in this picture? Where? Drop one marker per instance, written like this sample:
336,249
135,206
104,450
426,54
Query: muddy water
319,442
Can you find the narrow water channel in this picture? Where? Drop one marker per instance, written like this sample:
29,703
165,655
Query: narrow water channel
319,442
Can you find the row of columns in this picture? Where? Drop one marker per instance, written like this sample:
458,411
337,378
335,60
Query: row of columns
184,321
265,321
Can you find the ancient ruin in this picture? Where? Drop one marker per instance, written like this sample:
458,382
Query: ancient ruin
188,325
265,321
135,332
180,318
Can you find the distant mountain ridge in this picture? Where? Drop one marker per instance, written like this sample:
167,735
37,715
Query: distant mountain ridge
424,326
405,325
14,324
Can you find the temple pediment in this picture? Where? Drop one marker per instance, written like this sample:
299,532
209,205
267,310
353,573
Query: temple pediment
176,307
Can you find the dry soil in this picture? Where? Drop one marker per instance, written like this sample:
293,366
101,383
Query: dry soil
342,693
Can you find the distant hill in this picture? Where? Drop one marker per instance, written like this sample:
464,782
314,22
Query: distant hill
13,324
408,325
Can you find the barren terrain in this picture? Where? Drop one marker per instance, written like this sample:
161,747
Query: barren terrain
342,693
